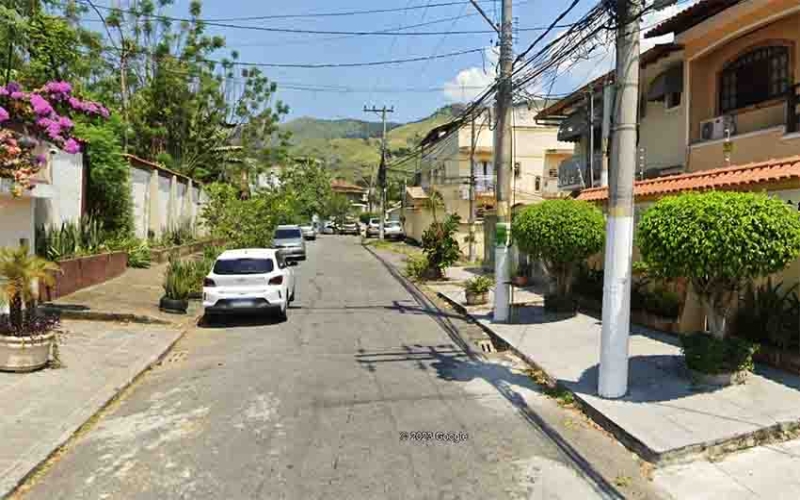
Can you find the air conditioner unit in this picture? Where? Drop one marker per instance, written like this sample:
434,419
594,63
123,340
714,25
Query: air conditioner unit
717,128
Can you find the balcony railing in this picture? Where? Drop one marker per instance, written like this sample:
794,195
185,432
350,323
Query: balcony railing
792,114
484,184
573,173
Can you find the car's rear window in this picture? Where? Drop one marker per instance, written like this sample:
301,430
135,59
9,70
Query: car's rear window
393,224
283,234
243,266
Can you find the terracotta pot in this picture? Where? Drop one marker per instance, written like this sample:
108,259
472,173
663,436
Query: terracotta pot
173,306
25,354
476,299
520,280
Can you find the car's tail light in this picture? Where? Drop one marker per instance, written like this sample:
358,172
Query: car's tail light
209,282
277,280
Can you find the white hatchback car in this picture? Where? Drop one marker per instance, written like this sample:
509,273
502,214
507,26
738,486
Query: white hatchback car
249,280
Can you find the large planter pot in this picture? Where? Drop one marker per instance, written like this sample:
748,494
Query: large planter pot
719,379
520,281
476,299
25,354
173,306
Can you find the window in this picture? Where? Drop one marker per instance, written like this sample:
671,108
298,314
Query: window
538,183
287,234
553,173
756,76
243,266
672,100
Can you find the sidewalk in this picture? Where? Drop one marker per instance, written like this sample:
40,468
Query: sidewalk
42,410
133,296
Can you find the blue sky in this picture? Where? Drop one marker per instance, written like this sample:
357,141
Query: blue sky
444,80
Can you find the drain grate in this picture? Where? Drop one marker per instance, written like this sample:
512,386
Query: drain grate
486,345
175,357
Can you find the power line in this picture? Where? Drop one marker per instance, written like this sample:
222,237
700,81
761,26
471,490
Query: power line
394,32
330,65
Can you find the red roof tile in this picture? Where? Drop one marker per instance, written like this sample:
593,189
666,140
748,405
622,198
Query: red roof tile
739,177
342,186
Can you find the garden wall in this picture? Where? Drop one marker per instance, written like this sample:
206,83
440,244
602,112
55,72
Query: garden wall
84,272
159,255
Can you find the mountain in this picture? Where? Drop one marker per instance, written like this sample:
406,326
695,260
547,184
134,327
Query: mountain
351,148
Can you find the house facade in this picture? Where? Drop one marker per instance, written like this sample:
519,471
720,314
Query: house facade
741,73
356,194
445,168
662,122
57,196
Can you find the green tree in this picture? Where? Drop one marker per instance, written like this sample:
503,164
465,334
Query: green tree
719,241
338,208
109,195
309,186
562,234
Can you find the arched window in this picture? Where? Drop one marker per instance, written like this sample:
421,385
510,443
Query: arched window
755,76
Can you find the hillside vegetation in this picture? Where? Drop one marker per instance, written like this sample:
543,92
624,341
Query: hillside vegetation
351,148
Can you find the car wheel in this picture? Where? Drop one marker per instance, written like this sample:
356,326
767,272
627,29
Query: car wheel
282,313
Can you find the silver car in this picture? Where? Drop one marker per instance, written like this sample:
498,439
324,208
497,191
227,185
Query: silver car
289,240
309,232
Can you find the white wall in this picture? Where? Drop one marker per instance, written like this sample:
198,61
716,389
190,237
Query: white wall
178,216
60,199
164,184
16,220
140,186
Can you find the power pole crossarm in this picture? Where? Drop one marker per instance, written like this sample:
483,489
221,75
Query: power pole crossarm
483,14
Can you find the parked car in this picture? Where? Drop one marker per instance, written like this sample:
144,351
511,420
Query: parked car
289,240
249,280
329,228
393,230
349,227
373,228
309,232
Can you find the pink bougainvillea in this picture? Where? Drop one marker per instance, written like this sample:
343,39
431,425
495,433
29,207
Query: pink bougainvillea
43,112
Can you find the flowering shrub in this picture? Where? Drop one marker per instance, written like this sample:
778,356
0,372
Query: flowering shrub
41,113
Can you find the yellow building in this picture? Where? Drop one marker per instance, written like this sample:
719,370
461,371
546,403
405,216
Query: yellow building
444,167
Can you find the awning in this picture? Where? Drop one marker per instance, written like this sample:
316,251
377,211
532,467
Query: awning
668,82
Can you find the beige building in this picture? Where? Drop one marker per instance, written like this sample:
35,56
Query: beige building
444,167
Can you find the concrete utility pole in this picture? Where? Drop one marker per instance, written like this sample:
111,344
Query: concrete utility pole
472,192
382,168
502,167
608,104
591,136
613,376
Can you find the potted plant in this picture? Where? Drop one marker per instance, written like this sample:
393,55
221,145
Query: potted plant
522,275
440,246
177,288
477,290
26,337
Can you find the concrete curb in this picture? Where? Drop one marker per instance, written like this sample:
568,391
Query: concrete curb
779,432
103,316
92,410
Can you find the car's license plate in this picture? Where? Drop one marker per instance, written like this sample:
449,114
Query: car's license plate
242,303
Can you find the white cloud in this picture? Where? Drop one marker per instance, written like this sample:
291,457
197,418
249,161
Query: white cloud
469,83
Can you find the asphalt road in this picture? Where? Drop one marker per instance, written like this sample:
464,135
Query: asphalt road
317,407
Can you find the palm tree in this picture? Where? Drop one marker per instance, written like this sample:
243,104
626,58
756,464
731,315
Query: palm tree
18,271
